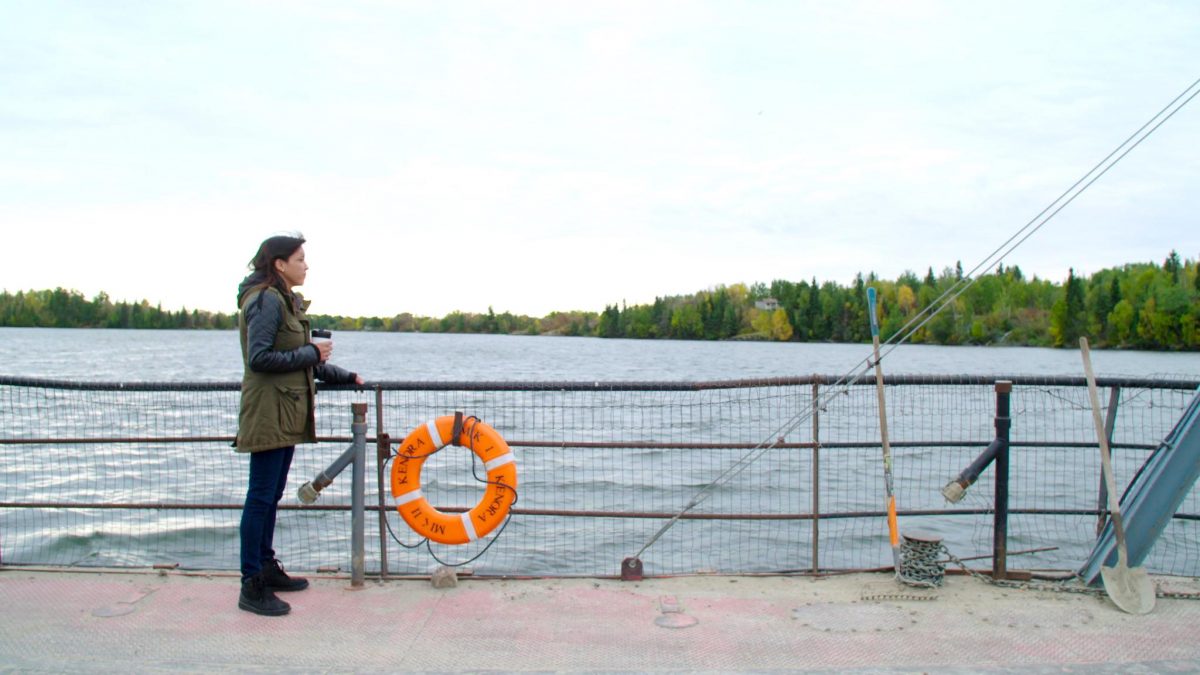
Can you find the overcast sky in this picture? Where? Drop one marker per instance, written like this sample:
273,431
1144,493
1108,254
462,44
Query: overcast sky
540,156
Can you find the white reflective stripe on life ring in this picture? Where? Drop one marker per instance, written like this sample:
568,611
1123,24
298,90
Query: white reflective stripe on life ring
499,461
408,497
468,526
431,425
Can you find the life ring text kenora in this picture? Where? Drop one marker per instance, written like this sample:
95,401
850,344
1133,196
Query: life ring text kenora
498,497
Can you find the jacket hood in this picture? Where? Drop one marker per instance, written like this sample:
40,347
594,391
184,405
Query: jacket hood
251,280
256,279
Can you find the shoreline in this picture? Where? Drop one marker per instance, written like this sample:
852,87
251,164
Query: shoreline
560,334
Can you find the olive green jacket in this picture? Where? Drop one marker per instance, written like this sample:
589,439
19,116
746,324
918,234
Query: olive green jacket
278,387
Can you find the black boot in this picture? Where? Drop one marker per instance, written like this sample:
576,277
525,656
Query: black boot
277,580
257,598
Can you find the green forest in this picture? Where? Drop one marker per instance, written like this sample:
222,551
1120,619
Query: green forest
1137,306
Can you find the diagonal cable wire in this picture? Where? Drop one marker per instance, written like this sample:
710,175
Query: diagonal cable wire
940,303
1031,227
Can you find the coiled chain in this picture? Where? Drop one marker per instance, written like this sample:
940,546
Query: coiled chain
919,565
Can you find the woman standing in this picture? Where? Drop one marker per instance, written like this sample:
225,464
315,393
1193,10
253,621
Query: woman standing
278,387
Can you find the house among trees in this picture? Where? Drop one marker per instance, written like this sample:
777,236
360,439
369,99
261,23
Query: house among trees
768,304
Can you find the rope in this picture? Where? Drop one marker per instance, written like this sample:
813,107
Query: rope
923,317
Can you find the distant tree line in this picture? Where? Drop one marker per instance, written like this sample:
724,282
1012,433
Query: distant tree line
1139,305
62,308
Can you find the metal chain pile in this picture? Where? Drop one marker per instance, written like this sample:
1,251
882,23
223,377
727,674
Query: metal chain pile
919,564
920,567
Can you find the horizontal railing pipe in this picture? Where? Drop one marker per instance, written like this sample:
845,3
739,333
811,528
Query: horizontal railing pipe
668,385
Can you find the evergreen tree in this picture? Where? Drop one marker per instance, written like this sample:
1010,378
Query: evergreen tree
1172,267
1067,315
812,312
610,322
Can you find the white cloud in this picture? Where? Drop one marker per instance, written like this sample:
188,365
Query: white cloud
540,156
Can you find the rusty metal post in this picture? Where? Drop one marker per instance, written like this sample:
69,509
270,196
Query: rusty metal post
816,477
382,451
358,494
1110,423
1000,526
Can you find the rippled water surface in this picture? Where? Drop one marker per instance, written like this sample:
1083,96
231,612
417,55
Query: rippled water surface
181,355
208,539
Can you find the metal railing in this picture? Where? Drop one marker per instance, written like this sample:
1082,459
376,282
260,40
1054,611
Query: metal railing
136,474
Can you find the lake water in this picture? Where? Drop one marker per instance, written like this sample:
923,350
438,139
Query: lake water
185,356
550,479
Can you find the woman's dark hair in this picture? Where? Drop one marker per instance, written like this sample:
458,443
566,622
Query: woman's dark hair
279,247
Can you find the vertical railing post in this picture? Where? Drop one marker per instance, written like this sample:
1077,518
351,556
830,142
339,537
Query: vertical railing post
816,476
1110,424
358,494
382,452
1000,525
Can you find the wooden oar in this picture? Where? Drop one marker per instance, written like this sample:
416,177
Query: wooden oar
893,528
1130,589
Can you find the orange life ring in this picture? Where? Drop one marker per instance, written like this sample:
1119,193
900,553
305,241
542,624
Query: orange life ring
498,498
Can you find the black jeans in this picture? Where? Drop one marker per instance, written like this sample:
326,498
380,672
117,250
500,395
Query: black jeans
268,478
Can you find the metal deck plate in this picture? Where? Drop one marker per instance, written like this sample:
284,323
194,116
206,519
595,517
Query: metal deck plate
853,617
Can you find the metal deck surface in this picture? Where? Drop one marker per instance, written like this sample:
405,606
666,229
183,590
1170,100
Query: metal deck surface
73,621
